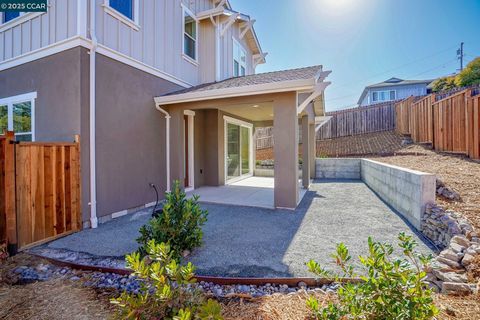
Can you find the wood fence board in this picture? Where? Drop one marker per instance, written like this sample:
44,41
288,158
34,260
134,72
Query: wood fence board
45,186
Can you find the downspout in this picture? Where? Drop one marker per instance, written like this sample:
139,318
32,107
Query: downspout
167,142
92,122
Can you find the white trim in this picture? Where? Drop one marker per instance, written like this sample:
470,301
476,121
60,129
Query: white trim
185,9
249,126
231,20
132,23
238,122
10,101
246,26
91,117
54,48
318,90
119,214
24,17
167,143
236,42
106,51
191,143
187,58
247,90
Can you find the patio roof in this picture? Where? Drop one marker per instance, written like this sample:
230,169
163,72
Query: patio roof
301,79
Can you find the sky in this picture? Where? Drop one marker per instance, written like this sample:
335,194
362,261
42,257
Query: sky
365,41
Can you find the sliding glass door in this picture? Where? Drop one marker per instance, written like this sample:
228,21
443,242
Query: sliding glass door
238,151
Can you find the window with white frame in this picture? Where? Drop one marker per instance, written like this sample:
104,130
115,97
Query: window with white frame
387,95
239,59
125,7
10,15
16,114
189,34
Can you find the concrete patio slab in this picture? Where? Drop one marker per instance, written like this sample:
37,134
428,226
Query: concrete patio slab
243,241
252,192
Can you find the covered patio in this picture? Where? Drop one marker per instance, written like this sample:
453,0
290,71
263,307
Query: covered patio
210,136
251,192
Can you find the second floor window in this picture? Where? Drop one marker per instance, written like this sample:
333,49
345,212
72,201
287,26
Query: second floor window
189,34
10,15
378,96
239,59
125,7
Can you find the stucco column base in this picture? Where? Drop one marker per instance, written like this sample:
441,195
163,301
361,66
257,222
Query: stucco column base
285,131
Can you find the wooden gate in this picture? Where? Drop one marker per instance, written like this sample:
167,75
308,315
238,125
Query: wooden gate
46,192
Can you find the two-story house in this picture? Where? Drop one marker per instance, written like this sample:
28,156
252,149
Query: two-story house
158,91
392,89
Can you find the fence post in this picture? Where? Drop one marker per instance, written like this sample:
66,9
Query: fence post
468,126
10,192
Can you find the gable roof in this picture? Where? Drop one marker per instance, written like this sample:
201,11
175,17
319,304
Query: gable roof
390,83
260,83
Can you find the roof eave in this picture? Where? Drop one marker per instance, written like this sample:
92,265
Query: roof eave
265,88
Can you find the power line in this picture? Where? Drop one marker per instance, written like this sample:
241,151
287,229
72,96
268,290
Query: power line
423,72
401,66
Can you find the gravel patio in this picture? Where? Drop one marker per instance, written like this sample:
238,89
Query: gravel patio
254,242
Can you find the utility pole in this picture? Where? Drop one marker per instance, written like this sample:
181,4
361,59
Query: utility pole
460,55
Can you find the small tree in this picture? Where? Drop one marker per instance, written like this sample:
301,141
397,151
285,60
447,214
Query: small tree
166,289
390,289
179,224
469,76
444,84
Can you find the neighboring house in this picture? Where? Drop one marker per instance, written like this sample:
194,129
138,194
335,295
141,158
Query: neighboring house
94,67
392,89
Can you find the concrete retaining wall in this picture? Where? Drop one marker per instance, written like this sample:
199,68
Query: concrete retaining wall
338,168
407,191
261,172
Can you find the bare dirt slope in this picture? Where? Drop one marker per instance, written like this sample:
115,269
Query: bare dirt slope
457,172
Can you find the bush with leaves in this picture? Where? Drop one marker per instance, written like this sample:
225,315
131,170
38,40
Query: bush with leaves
444,84
179,224
166,291
469,76
391,289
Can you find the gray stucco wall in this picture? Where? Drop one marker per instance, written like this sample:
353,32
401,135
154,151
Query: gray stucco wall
61,107
130,136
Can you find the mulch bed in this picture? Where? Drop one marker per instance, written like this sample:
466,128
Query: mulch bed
64,299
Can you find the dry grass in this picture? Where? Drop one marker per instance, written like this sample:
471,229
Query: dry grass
457,172
64,299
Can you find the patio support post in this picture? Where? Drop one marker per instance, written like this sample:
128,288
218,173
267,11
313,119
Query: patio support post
306,158
313,148
285,131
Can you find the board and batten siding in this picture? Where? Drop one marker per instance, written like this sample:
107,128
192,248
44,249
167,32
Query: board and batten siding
57,24
226,47
159,40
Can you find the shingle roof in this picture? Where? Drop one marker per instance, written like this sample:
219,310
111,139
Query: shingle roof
388,83
391,82
254,79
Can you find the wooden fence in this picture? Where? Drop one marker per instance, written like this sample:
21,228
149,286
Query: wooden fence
46,191
361,120
450,122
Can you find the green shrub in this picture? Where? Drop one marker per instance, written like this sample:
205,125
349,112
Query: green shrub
470,75
444,84
166,290
391,289
179,224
